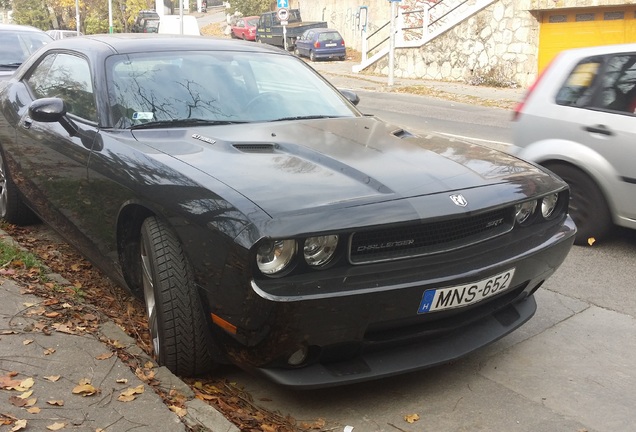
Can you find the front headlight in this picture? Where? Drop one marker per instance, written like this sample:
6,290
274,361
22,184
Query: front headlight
274,256
548,205
524,211
319,250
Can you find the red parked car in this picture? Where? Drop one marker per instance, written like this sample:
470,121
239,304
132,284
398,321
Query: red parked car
245,28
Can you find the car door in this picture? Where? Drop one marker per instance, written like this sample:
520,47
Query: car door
607,124
303,42
50,164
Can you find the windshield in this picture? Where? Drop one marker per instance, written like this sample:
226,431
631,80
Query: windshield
252,22
218,87
16,46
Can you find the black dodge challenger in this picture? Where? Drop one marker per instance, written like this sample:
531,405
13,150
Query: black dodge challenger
263,219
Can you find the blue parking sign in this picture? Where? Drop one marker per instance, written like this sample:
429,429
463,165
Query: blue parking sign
283,4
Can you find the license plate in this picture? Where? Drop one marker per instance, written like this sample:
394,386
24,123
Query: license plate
464,295
330,45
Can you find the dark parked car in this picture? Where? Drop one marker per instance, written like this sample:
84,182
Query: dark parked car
264,219
321,43
138,25
17,42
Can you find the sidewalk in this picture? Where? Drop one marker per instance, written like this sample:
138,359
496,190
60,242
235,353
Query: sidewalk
51,379
341,75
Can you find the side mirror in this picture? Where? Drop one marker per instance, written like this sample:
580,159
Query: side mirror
50,110
351,96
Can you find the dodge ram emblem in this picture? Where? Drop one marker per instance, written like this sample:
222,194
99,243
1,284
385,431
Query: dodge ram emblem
459,200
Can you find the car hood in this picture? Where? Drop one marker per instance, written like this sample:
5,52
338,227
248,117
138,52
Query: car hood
298,165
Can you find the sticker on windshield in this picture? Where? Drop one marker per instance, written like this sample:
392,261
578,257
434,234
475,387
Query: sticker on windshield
142,116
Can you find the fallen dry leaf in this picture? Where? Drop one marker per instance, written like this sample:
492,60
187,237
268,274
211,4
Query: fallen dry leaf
49,351
27,341
52,378
591,241
33,410
19,425
26,394
180,412
56,426
17,401
121,381
8,383
411,418
131,393
104,356
27,383
85,390
56,402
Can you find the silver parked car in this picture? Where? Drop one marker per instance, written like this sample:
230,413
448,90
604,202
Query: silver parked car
579,121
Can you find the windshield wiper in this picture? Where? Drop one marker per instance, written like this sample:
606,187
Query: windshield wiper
309,117
184,122
14,65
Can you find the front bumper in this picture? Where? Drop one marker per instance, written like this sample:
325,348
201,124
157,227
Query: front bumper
407,358
362,322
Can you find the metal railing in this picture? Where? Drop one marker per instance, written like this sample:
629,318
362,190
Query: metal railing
416,26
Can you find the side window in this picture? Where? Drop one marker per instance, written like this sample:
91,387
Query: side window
579,86
69,78
618,85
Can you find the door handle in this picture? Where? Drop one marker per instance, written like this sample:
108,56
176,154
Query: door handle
27,122
599,129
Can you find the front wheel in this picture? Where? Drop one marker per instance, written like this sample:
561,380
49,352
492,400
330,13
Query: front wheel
178,326
588,207
12,208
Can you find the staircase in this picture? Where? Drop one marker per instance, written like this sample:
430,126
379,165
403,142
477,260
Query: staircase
417,26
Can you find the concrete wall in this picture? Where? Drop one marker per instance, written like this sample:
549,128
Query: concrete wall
497,46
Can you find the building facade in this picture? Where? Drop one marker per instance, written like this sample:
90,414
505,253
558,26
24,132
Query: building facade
506,43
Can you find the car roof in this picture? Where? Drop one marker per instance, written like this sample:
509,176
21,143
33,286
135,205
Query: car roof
600,50
19,27
124,43
325,30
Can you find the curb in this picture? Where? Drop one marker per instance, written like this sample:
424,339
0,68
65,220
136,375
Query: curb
200,416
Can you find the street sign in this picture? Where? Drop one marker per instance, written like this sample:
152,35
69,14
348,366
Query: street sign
283,4
282,14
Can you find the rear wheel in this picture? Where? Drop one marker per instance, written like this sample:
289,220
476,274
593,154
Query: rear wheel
312,56
178,326
588,207
12,208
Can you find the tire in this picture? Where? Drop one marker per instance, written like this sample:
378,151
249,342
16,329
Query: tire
342,58
296,52
588,206
178,326
12,208
312,56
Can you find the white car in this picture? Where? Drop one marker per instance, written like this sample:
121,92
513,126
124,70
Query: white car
61,34
579,121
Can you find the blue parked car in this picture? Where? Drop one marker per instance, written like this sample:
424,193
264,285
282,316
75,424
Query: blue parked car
321,43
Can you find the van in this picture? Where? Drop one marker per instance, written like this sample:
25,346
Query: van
171,24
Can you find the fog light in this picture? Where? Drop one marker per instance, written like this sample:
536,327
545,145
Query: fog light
298,357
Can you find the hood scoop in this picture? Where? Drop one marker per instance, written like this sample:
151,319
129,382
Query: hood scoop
255,147
401,133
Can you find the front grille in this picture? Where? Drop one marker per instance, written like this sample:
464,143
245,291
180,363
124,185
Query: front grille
429,238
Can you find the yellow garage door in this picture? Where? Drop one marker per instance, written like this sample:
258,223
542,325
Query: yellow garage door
576,28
